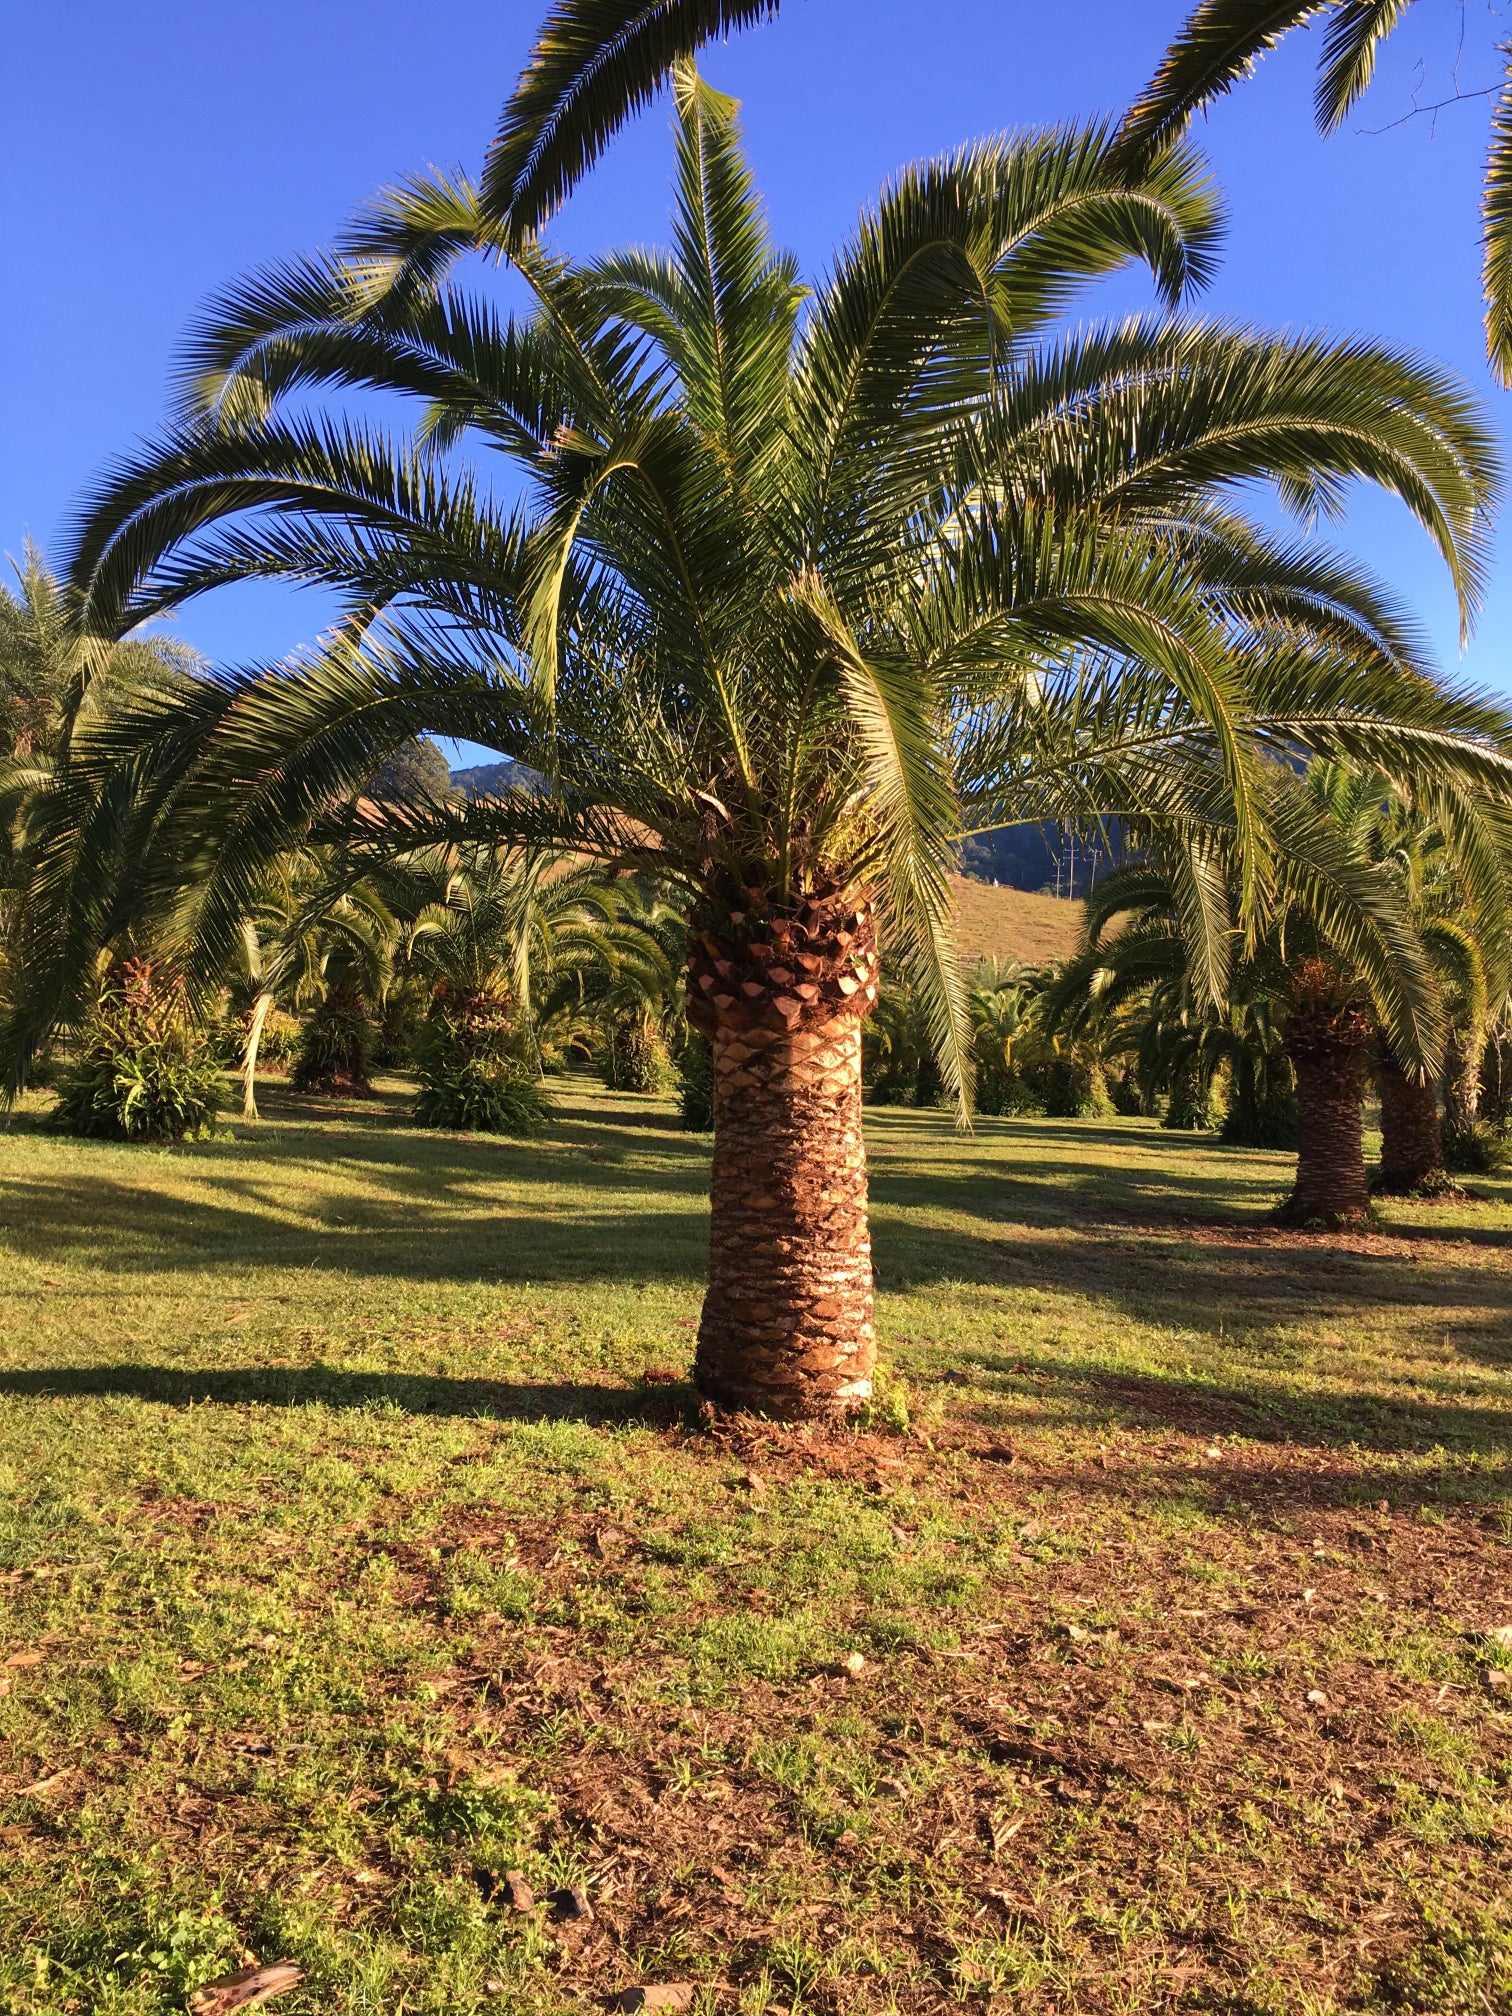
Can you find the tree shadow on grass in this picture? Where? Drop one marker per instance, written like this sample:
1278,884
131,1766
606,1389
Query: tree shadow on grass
1059,1394
372,1392
123,1228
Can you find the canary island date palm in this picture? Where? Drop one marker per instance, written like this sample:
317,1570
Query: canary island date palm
791,594
524,930
49,669
1337,927
1349,962
1454,875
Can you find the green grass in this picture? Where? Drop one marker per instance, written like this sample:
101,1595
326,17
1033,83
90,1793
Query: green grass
347,1560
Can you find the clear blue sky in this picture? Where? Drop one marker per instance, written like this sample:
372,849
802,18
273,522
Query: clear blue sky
151,151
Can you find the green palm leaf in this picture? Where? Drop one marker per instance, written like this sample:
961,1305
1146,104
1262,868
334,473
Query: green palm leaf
595,63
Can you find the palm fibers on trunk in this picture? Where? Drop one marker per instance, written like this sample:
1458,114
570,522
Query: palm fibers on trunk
1328,1032
1412,1135
781,990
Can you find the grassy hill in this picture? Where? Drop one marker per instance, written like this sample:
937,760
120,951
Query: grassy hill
1002,923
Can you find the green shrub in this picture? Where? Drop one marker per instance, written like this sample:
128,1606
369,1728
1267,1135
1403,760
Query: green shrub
336,1046
279,1043
1127,1094
695,1088
1072,1090
633,1056
1474,1147
1190,1107
1266,1121
142,1070
479,1095
396,1040
473,1076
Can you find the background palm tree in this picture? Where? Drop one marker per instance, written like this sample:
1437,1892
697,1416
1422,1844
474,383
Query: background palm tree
49,670
1002,1004
1451,861
1349,965
790,604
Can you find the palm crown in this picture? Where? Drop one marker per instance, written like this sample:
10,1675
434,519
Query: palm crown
596,62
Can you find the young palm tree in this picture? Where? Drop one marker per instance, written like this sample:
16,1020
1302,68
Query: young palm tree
1002,1005
49,671
319,935
1452,865
506,924
48,664
792,598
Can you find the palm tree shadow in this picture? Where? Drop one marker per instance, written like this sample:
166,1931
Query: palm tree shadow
416,1393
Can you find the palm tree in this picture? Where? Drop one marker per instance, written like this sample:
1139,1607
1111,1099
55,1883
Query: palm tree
1452,863
316,935
1002,1004
1220,44
792,599
50,670
1346,963
499,922
510,940
48,664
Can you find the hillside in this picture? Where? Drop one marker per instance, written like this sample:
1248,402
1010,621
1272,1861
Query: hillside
482,778
1000,923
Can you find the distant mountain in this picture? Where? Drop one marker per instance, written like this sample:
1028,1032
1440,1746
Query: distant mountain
505,775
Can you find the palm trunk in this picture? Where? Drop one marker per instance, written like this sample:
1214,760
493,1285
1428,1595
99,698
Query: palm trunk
787,1325
259,1016
1412,1135
1326,1039
1462,1077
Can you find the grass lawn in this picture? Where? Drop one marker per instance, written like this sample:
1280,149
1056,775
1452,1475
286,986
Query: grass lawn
348,1560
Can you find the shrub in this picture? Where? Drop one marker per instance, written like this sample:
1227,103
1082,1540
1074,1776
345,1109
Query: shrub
1474,1147
279,1043
1261,1116
1127,1094
142,1070
396,1040
336,1046
695,1088
1073,1090
1190,1107
633,1056
479,1095
473,1078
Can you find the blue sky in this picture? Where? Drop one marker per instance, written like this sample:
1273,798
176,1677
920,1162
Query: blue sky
153,151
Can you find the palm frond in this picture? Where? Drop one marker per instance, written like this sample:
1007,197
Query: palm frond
1496,223
594,65
1220,43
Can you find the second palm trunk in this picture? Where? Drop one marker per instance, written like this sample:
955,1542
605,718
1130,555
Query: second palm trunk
1412,1135
1328,1033
780,991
